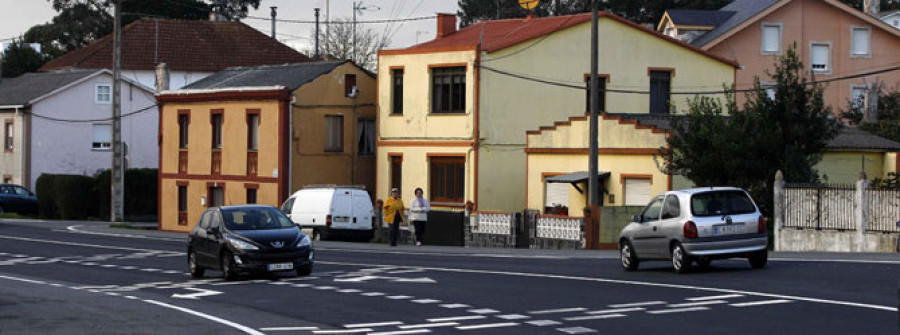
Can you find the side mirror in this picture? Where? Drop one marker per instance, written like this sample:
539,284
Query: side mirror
636,218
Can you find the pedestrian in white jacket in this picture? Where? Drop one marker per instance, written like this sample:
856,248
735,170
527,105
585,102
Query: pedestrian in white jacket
418,214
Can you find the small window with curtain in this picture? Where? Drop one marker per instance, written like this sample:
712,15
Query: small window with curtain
103,93
448,90
771,38
252,131
183,122
334,133
448,179
350,89
216,120
102,136
8,135
820,57
860,41
365,137
397,91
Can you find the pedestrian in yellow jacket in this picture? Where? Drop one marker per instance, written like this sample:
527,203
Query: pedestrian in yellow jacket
393,214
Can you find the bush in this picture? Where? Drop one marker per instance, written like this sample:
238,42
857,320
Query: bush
75,197
46,194
141,189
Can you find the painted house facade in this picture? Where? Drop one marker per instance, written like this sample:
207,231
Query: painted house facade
256,134
453,112
60,122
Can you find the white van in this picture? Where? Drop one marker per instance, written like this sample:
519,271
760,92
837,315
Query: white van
331,210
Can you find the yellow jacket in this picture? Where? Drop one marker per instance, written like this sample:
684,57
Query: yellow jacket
393,206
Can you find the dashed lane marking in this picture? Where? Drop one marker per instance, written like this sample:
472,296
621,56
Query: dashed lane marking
373,294
759,303
426,301
513,317
399,297
700,303
636,304
561,310
374,324
615,310
457,318
577,330
287,329
402,332
489,325
543,323
343,331
454,306
715,297
349,290
678,310
484,311
594,317
429,325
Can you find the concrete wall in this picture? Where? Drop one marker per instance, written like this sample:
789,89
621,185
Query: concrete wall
65,147
792,239
613,219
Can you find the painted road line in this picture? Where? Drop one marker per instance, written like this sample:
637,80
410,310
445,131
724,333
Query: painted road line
453,306
426,301
287,329
301,285
227,283
343,331
172,272
561,310
715,297
488,325
279,283
700,303
109,266
678,310
484,311
636,304
513,317
349,290
373,294
576,330
760,303
615,310
457,318
594,317
543,323
429,325
402,332
235,325
324,288
399,297
127,267
374,324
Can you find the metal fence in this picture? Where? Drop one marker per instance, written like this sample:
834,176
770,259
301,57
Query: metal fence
820,206
884,210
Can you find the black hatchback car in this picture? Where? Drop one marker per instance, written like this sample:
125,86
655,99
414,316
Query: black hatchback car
17,199
248,239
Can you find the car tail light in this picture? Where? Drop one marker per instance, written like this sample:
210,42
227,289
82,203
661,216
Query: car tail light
761,225
690,230
328,221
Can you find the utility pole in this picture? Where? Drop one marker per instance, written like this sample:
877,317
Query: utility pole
317,35
117,207
353,47
593,194
274,13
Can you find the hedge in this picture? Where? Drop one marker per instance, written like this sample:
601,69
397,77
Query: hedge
71,197
141,190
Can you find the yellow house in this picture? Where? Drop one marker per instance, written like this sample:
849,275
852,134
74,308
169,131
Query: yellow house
253,135
453,112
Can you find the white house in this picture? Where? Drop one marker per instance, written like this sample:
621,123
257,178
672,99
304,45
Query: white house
891,18
60,122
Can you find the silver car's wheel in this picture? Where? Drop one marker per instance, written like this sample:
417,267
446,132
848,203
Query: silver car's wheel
680,260
628,256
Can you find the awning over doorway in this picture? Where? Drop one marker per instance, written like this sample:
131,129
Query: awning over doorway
575,177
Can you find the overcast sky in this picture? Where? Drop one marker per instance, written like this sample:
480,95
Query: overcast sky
19,15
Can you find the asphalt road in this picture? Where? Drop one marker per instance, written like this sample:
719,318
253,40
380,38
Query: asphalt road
86,278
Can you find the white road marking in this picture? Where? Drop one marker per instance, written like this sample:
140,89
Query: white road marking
715,297
402,332
453,306
700,303
489,325
172,272
201,292
426,301
127,267
112,294
131,297
561,310
342,331
399,297
301,285
483,311
678,310
616,310
231,324
594,317
279,329
145,270
636,304
373,294
326,288
280,283
457,318
513,317
543,323
109,266
577,330
349,290
376,324
74,244
227,283
404,271
759,303
429,325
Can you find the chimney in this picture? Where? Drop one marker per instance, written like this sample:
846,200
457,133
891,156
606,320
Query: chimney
872,7
446,24
162,77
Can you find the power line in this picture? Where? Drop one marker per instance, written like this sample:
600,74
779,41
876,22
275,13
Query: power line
339,22
91,120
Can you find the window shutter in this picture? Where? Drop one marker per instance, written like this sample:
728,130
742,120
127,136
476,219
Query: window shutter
771,38
557,194
820,57
860,41
102,137
637,191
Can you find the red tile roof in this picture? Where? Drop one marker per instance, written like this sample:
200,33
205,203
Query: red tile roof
184,45
499,34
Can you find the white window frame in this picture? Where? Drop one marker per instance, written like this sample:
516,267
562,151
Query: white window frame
762,38
94,142
97,93
868,53
829,68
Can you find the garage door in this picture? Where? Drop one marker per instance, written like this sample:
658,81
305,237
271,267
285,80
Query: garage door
557,195
637,191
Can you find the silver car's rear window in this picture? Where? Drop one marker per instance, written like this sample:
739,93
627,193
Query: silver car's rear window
721,203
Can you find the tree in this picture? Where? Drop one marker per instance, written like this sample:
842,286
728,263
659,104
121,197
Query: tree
642,11
340,43
19,58
886,5
887,124
746,147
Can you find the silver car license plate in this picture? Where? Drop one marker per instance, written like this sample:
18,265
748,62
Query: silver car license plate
281,266
728,229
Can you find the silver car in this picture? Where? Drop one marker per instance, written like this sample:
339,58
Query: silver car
700,224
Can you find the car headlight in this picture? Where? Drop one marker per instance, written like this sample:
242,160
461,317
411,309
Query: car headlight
304,242
242,245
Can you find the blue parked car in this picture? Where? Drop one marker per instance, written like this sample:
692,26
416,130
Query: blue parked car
17,199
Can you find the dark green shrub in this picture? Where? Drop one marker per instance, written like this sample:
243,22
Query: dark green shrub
74,196
141,188
44,189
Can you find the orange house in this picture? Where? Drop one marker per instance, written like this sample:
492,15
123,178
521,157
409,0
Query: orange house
254,135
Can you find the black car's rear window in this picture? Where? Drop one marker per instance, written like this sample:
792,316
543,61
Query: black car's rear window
255,219
721,203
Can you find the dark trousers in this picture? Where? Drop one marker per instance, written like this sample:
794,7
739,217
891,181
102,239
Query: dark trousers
420,230
395,230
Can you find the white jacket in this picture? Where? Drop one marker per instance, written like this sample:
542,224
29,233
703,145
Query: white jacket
417,211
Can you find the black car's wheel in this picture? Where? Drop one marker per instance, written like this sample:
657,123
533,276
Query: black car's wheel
628,256
304,270
196,270
759,259
229,271
681,262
